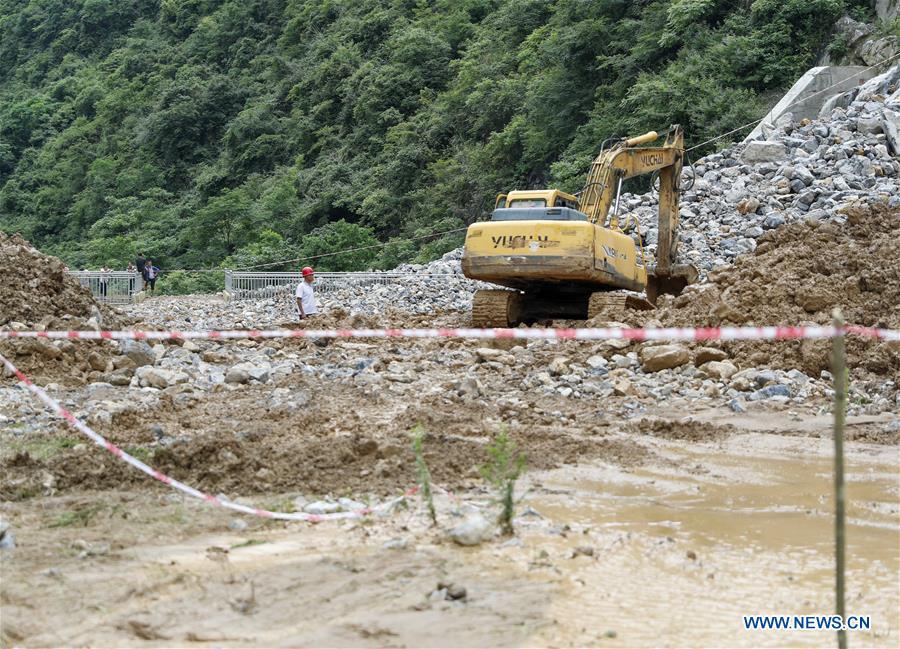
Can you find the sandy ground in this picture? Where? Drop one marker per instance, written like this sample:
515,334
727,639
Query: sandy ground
670,550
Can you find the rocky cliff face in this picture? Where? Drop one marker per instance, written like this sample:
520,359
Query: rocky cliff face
863,45
887,9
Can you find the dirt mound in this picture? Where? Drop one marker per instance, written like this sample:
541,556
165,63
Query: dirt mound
36,286
797,275
347,443
800,272
36,291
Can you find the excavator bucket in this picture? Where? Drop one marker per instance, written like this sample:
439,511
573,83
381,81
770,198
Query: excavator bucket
670,282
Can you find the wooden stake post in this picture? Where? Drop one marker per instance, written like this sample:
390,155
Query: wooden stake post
839,370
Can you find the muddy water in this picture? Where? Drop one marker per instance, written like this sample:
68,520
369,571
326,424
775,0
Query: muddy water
748,529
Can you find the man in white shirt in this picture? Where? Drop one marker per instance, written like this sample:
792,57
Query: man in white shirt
306,300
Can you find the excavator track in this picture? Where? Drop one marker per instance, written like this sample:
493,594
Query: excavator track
615,300
496,308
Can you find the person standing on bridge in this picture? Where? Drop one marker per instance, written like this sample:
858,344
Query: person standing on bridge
150,274
306,299
104,279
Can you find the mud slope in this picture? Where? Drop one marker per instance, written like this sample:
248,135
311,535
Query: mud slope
35,287
797,275
36,291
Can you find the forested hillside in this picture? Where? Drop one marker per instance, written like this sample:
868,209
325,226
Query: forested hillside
199,130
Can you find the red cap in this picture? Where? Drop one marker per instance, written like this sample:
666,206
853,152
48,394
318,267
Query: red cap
306,271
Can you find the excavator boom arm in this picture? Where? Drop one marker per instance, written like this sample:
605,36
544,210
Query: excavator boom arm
626,160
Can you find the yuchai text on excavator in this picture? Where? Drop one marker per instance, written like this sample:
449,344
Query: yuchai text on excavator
561,257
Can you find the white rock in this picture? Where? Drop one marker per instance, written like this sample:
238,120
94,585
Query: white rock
756,152
474,529
350,505
596,362
244,372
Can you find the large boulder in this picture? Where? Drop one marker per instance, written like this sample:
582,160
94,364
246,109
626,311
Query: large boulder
156,377
891,127
707,354
245,372
138,351
875,51
887,10
853,31
868,125
719,369
98,362
757,152
664,357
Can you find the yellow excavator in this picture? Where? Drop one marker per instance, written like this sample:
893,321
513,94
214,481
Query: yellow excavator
561,257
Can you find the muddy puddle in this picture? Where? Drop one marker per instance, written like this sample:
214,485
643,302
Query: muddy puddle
747,529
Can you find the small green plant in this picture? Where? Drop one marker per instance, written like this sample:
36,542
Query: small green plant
888,28
142,453
422,472
505,465
285,505
838,48
248,543
42,448
79,517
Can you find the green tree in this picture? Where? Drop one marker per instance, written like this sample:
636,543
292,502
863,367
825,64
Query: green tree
224,219
317,247
269,247
197,128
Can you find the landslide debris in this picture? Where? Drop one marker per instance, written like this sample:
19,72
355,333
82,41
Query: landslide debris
36,292
797,275
351,441
35,286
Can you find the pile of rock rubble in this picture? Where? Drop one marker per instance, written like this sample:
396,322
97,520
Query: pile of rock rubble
801,171
140,379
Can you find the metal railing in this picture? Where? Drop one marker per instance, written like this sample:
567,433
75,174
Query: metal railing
113,287
251,285
119,287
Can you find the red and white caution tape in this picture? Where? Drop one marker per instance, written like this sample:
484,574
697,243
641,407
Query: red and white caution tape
606,333
99,440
